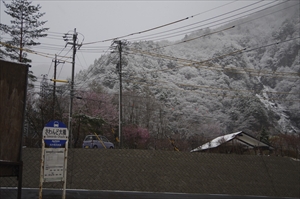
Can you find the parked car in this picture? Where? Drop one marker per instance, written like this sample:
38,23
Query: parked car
92,141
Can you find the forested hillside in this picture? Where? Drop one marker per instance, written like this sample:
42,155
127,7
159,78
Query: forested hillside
241,76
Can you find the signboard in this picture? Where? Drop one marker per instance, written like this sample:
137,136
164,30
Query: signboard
55,134
54,165
54,154
55,143
55,130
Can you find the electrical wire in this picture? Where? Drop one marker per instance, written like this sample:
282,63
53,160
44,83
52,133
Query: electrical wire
159,82
208,92
226,22
200,63
190,30
62,60
49,68
188,40
215,8
77,58
182,85
101,61
116,38
246,51
56,33
146,37
151,29
197,86
28,50
210,66
84,59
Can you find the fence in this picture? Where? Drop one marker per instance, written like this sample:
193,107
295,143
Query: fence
169,171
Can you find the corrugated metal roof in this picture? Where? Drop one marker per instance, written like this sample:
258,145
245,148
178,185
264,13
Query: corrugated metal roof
240,136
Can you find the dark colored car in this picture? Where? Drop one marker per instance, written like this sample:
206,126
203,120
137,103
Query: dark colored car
93,141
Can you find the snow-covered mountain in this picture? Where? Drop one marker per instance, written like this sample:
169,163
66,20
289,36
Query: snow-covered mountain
240,76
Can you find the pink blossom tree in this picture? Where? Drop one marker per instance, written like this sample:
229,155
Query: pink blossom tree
94,112
135,137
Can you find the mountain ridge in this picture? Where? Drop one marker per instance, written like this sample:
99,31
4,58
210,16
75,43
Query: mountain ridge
243,78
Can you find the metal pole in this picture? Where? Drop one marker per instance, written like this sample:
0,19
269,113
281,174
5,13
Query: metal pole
42,170
120,97
65,171
54,85
72,88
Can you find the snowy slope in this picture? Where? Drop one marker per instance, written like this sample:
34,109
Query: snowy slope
220,83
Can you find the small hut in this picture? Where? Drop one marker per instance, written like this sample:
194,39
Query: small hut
239,142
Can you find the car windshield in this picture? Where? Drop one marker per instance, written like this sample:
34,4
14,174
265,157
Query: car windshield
93,137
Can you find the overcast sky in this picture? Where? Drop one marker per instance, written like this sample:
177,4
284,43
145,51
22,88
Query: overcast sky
101,20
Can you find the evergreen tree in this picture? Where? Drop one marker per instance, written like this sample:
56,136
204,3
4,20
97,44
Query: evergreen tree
25,28
264,136
2,52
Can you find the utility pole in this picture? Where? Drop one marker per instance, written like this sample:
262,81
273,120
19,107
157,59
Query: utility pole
74,45
120,95
56,62
119,66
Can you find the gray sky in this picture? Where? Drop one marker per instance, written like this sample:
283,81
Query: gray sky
101,20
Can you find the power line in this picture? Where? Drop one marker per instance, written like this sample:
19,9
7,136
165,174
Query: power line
148,30
199,63
117,38
79,61
28,50
181,86
49,68
226,22
154,82
57,33
146,37
188,40
215,8
101,60
208,92
84,59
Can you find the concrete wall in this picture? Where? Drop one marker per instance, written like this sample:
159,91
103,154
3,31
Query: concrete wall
170,171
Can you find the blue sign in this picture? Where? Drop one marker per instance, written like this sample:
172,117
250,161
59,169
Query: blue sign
56,124
55,134
55,143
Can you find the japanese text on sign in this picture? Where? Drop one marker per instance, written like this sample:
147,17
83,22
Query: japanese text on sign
49,132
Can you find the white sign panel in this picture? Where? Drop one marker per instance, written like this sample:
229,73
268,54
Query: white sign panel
54,164
55,133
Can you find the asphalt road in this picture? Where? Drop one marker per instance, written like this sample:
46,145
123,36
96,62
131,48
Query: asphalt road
11,193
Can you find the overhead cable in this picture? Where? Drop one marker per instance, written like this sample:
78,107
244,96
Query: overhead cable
30,51
193,63
116,38
206,87
147,30
226,22
207,93
146,37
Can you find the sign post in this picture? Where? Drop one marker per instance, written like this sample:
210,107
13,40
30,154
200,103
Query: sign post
54,155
